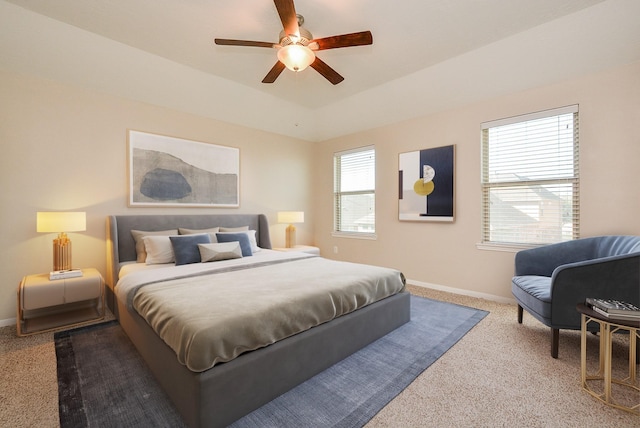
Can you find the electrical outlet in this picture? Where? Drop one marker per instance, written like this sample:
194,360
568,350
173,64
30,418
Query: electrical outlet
335,249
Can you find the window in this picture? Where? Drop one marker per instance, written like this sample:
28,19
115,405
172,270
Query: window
354,196
530,180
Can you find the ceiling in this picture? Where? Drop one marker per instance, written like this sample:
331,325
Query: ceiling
427,55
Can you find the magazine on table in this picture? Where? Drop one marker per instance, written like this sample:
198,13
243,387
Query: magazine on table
614,309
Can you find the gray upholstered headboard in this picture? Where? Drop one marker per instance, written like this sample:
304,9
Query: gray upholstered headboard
121,247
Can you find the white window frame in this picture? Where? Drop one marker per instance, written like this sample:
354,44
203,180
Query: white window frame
547,180
338,193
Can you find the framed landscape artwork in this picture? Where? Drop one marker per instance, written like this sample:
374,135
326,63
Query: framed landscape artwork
426,185
167,171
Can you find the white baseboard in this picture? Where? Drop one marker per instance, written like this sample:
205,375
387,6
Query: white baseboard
500,299
462,292
7,322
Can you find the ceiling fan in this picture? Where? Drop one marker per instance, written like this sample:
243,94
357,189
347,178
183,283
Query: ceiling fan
296,45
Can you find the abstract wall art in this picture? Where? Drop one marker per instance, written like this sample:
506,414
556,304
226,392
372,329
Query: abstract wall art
426,185
167,171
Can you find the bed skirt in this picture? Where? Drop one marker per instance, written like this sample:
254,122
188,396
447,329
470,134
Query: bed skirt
225,393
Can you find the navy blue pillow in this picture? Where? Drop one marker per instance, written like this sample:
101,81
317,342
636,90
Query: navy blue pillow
185,247
242,238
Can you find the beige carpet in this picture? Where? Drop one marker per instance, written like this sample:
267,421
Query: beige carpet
499,374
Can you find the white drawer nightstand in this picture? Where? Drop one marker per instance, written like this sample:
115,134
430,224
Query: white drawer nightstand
302,248
45,305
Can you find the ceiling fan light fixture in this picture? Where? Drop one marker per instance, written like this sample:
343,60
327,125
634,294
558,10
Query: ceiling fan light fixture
296,57
296,46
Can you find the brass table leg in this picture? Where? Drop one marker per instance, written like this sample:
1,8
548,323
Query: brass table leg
605,332
583,350
633,349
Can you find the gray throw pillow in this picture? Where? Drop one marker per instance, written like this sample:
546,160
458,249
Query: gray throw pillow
220,251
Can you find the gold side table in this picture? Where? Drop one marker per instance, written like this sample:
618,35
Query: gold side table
608,327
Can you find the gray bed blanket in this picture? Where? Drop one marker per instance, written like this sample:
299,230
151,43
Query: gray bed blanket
212,318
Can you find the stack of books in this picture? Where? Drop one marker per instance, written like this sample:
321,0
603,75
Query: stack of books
614,309
62,274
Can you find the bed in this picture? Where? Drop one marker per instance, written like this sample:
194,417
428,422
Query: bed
222,389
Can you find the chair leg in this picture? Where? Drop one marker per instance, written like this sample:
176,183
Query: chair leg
555,339
520,314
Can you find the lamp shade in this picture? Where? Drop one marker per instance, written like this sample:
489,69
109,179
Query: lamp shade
296,57
291,217
61,222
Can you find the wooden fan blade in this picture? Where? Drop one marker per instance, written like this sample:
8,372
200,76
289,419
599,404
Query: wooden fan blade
273,74
232,42
287,12
344,41
329,73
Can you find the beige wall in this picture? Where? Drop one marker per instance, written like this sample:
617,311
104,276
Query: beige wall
64,148
446,255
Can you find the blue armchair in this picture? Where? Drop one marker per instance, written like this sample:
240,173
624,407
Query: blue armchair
550,281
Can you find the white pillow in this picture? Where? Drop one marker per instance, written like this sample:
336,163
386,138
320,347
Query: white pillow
251,234
159,249
220,251
138,236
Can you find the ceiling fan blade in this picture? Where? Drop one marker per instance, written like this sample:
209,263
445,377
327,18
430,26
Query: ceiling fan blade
232,42
329,73
287,12
344,41
273,74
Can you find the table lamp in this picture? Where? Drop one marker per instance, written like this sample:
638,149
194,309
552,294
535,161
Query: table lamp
291,217
61,222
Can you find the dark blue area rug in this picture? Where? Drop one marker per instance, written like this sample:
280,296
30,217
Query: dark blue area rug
104,382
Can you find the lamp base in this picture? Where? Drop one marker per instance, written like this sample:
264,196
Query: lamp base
290,236
61,253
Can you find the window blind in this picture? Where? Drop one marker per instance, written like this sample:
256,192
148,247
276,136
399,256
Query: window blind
354,191
530,178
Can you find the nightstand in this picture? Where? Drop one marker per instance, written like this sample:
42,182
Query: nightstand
302,248
45,305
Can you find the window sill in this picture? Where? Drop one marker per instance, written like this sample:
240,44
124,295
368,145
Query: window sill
355,235
509,248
